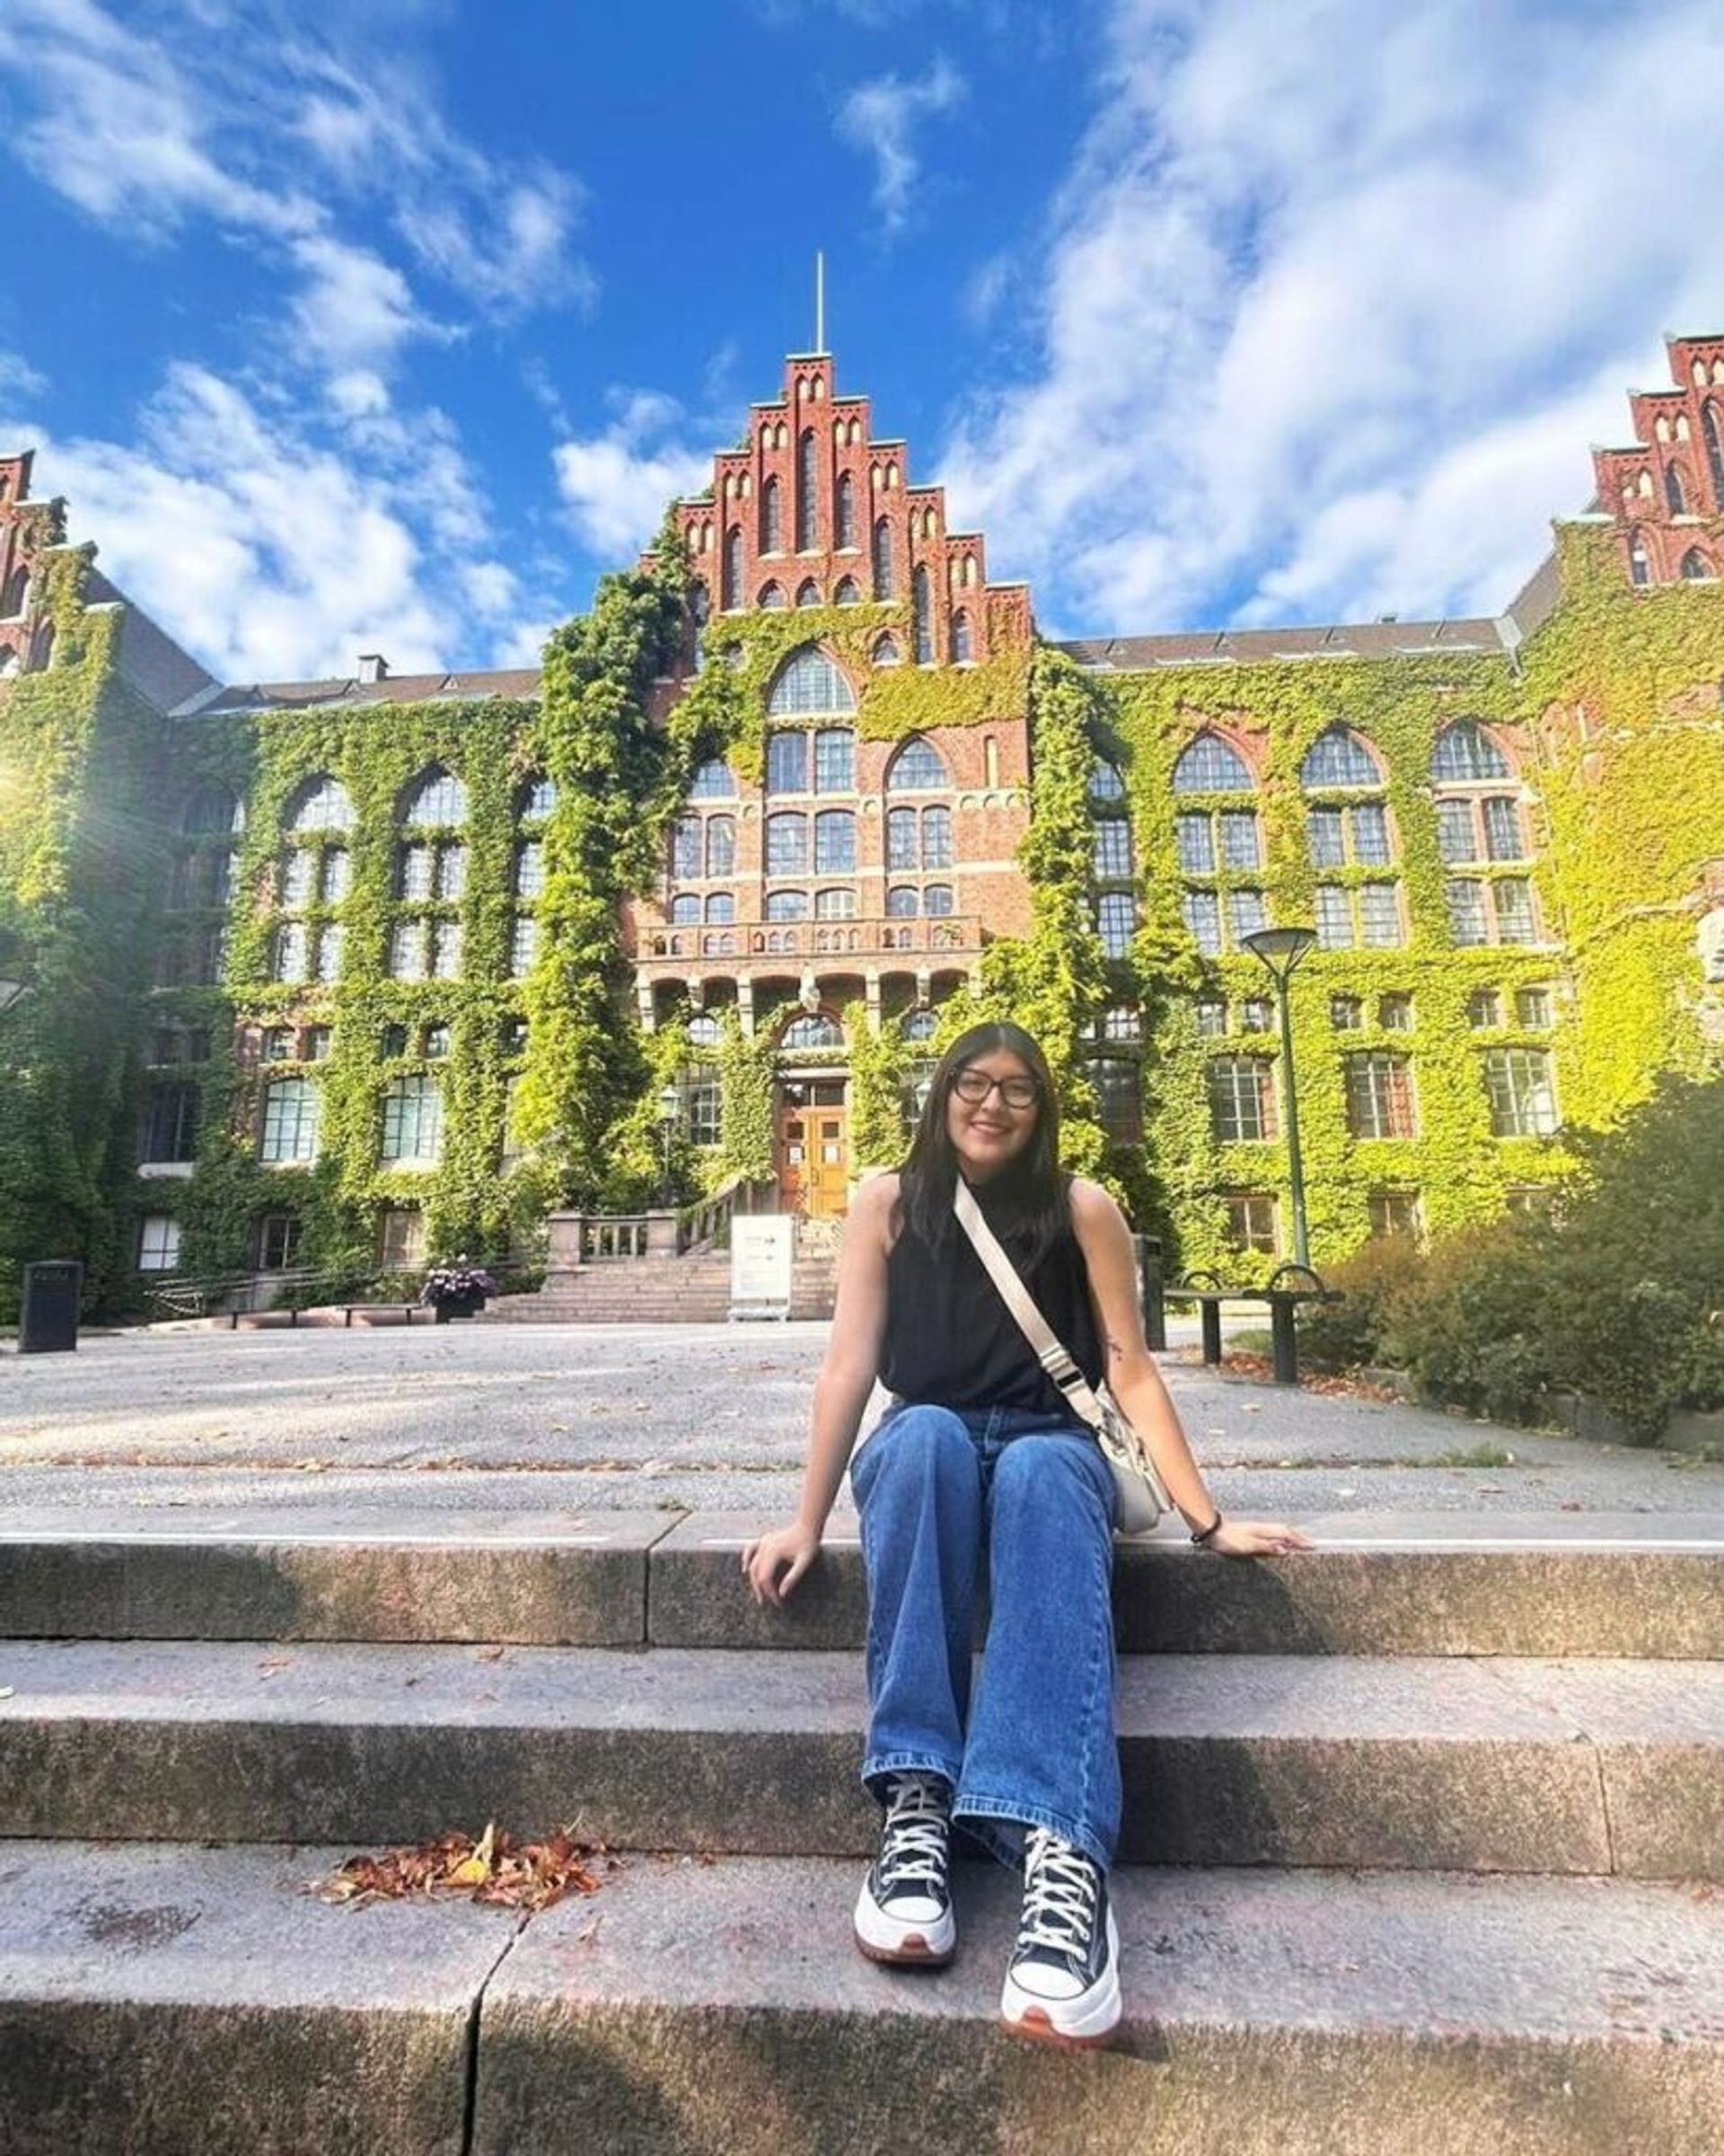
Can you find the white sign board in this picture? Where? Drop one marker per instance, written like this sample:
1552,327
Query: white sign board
760,1253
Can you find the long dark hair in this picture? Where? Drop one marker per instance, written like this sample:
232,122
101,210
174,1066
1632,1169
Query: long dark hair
1041,1209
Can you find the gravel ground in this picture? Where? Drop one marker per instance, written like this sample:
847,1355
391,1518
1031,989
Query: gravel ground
710,1416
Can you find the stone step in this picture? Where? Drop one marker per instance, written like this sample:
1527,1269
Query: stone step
158,1999
1417,1585
1516,1765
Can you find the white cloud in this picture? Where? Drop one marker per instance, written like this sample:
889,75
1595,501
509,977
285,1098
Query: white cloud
18,379
1329,316
355,310
616,484
880,118
275,556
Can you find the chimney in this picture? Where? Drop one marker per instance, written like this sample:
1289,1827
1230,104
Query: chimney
372,666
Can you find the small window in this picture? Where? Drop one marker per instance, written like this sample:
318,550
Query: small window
436,1042
170,1123
963,643
732,593
1251,1221
290,1121
514,1036
537,799
210,811
1522,1097
1346,1013
1195,837
844,534
1116,922
1255,1015
324,804
1241,839
721,909
524,945
1394,1213
401,1241
887,650
918,767
1379,1095
883,586
278,1045
807,593
685,910
787,845
838,904
786,764
1202,911
938,900
904,902
394,1041
705,1031
834,842
413,1120
158,1243
1121,1022
1242,1099
772,599
315,1044
920,1024
1379,917
1111,850
835,761
1533,1008
1395,1012
277,1244
1211,1015
1118,1090
787,905
529,868
1484,1008
406,951
1467,920
847,592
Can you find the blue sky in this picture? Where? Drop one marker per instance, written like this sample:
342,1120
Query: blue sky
386,324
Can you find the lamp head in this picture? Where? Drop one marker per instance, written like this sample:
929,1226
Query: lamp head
1280,949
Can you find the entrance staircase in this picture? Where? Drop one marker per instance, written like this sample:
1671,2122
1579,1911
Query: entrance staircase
694,1290
1423,1854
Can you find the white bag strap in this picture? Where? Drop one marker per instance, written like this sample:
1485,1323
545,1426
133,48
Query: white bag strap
1049,1350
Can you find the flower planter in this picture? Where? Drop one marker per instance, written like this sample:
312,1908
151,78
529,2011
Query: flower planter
447,1306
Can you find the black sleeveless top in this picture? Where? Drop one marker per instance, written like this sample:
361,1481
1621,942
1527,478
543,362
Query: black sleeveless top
951,1342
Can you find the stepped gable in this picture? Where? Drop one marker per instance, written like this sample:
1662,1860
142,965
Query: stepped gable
812,508
29,532
1664,492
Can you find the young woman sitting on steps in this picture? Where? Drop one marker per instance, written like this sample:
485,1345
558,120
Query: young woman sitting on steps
978,1451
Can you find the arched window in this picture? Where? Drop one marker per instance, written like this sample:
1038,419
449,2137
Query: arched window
963,646
882,585
918,767
818,1029
787,845
1673,490
844,535
721,910
1639,569
904,902
321,803
809,683
921,612
771,518
772,599
699,614
1339,758
1465,752
684,910
807,496
537,799
1693,568
439,797
808,592
1105,783
713,781
733,573
787,905
886,652
849,593
212,809
1207,765
705,1031
1712,429
17,593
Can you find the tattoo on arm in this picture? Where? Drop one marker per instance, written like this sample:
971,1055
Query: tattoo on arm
1114,1348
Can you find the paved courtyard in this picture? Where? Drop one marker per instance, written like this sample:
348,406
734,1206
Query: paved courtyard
546,1419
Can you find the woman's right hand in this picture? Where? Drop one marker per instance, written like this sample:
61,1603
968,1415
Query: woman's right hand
790,1550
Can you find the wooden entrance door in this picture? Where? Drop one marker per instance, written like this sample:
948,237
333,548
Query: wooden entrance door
813,1149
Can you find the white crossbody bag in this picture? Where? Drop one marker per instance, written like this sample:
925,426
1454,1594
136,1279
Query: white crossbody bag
1143,1497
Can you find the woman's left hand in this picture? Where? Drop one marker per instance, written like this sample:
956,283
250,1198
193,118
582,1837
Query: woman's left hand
1256,1538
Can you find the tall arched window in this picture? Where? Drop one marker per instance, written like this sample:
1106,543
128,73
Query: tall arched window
1673,490
1639,567
808,496
962,646
772,596
886,650
921,612
808,592
1712,429
733,575
322,804
844,522
1338,757
438,798
882,585
1209,765
849,593
1694,569
699,614
538,797
918,767
1465,751
771,518
714,780
809,683
211,810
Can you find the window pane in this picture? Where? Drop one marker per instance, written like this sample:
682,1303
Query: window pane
1533,1007
1346,1013
1121,1098
158,1243
1117,919
1485,1007
539,797
1339,758
834,842
338,874
787,845
714,781
451,871
937,837
721,909
1111,848
1334,915
1456,841
937,898
414,880
170,1123
1523,1100
1463,752
1203,918
1327,841
834,761
1106,784
685,848
297,875
1393,1213
325,808
1211,1013
1515,923
787,905
721,845
529,869
1241,1098
290,951
1466,917
524,945
835,905
901,838
786,764
406,951
1379,1095
918,767
1251,1221
1240,841
441,798
331,944
809,683
290,1107
1503,836
685,910
1121,1023
447,939
1394,1013
1254,1014
1208,766
413,1119
902,902
1371,835
1380,916
1196,838
1249,913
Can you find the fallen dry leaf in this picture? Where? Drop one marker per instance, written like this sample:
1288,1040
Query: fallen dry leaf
495,1870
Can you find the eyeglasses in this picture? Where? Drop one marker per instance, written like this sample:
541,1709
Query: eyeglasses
975,1085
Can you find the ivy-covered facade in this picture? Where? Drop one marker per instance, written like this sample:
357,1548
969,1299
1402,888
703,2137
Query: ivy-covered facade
335,977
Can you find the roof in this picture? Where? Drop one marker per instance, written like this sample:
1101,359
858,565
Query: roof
148,657
393,688
1248,647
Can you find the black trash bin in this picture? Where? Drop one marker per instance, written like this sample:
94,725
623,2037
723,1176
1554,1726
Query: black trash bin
49,1321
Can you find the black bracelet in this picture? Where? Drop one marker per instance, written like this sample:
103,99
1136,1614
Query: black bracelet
1201,1542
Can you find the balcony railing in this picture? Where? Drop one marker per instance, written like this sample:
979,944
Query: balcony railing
935,934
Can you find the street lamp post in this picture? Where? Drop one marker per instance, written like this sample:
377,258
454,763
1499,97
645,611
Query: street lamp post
1281,950
670,1108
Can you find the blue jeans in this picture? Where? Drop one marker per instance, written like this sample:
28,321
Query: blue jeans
934,1487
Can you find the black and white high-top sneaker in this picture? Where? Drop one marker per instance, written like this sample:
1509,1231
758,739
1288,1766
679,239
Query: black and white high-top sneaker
903,1913
1063,1986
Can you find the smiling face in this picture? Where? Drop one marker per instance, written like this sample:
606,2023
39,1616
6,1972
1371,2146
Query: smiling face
987,1133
